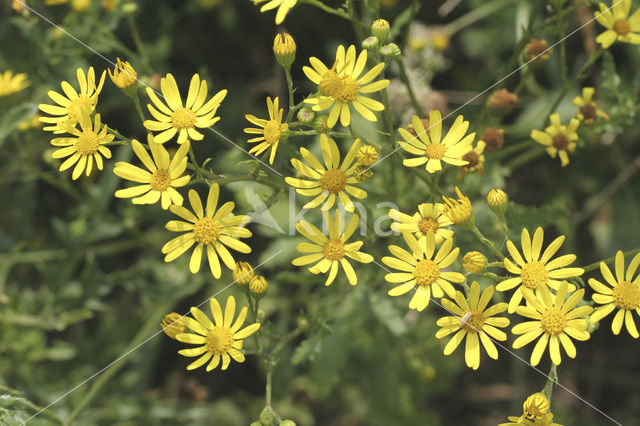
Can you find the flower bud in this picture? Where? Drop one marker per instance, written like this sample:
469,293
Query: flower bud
498,201
362,173
306,115
284,47
367,155
440,40
243,274
390,50
124,77
535,407
258,285
80,5
172,324
371,43
380,29
130,8
321,124
474,262
459,211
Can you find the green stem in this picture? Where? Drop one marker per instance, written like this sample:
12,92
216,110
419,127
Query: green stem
136,101
118,135
563,48
523,158
328,9
596,265
486,241
407,83
292,108
552,379
475,15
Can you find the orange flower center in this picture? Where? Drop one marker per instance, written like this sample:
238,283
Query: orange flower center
560,142
87,142
436,151
219,340
183,118
534,273
331,84
272,132
626,295
206,230
589,113
160,180
472,158
472,321
426,272
427,224
349,91
333,180
333,250
553,322
621,26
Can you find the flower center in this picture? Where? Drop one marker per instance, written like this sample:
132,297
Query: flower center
534,273
219,340
553,322
272,132
331,84
588,112
183,118
333,250
333,180
426,272
621,26
436,151
427,224
493,138
626,295
82,104
87,142
472,321
206,230
160,180
472,158
560,142
349,91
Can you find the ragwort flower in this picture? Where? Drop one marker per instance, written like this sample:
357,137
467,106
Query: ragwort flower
428,218
620,26
284,6
559,139
270,130
10,83
588,111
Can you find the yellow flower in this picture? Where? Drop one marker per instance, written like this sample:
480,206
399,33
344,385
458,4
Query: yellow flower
258,285
620,26
421,271
546,420
430,148
284,48
283,7
220,339
172,324
172,117
474,262
341,87
270,132
429,217
331,251
555,320
474,321
165,174
367,155
10,83
243,274
624,294
215,230
559,139
328,182
458,211
86,147
70,108
124,76
31,123
535,407
475,160
535,270
588,111
498,201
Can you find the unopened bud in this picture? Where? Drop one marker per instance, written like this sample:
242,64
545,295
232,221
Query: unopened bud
498,201
284,47
390,50
380,29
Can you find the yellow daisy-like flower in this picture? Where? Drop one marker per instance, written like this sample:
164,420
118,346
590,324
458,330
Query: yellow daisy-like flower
220,340
535,270
213,230
86,147
331,251
620,26
270,130
10,83
546,420
429,217
71,107
458,211
342,87
624,294
284,6
431,148
474,321
163,176
588,111
474,159
421,271
555,320
329,181
559,139
172,117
